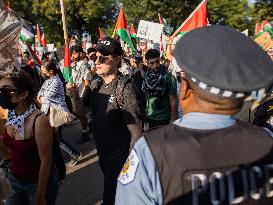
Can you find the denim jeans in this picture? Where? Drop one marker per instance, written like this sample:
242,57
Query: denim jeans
24,193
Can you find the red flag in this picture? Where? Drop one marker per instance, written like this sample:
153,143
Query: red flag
132,30
101,34
9,5
121,22
258,28
34,55
67,70
43,40
198,18
264,22
39,40
121,29
67,59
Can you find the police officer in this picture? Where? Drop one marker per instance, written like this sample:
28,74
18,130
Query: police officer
207,157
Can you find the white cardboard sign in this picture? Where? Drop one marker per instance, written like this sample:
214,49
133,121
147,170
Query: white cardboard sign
149,30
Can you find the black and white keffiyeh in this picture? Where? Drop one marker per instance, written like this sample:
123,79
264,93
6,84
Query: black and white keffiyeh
53,94
18,121
154,82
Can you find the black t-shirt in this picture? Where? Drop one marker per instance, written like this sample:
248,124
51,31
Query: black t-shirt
110,120
138,78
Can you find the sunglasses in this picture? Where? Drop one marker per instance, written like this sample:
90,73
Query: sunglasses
103,59
8,91
153,62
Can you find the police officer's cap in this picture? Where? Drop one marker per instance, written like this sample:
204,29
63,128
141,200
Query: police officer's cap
223,61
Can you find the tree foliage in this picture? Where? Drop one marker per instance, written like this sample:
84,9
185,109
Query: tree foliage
263,9
234,13
89,15
173,11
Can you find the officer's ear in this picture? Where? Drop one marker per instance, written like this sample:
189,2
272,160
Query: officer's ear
185,90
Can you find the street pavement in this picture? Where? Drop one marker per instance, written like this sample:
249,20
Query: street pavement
83,184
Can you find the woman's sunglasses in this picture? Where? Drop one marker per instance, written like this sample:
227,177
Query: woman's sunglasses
8,91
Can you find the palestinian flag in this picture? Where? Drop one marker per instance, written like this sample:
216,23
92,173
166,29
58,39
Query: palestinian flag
197,19
101,34
67,70
43,40
268,27
133,33
34,56
258,28
264,23
121,30
25,35
39,39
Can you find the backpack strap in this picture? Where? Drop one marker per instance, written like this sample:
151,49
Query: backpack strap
122,81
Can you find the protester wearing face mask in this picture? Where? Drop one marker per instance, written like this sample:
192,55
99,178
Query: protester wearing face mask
29,138
51,95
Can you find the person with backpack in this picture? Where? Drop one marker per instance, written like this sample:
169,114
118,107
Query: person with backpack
117,106
32,173
52,97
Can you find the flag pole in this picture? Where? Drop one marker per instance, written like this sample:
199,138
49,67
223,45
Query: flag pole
70,81
113,35
64,20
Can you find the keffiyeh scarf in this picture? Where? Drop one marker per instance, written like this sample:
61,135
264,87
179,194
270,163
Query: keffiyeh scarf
52,92
18,121
154,82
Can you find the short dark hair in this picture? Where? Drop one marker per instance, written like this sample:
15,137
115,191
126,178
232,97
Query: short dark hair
152,53
26,53
138,57
90,50
50,66
23,82
77,48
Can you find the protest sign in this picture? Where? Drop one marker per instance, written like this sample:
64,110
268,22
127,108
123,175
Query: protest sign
149,30
264,41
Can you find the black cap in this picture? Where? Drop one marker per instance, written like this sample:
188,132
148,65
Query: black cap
109,46
138,57
77,48
223,61
90,50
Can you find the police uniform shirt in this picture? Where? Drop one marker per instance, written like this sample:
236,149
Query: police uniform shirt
139,181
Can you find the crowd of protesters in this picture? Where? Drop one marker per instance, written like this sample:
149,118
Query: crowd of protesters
117,97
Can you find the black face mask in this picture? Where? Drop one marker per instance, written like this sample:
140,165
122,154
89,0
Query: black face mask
5,100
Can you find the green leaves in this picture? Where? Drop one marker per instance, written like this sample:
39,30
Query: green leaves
92,14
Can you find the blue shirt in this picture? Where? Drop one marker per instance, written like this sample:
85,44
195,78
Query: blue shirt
140,183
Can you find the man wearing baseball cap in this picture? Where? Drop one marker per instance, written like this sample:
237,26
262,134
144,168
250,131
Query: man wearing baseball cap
117,111
207,157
